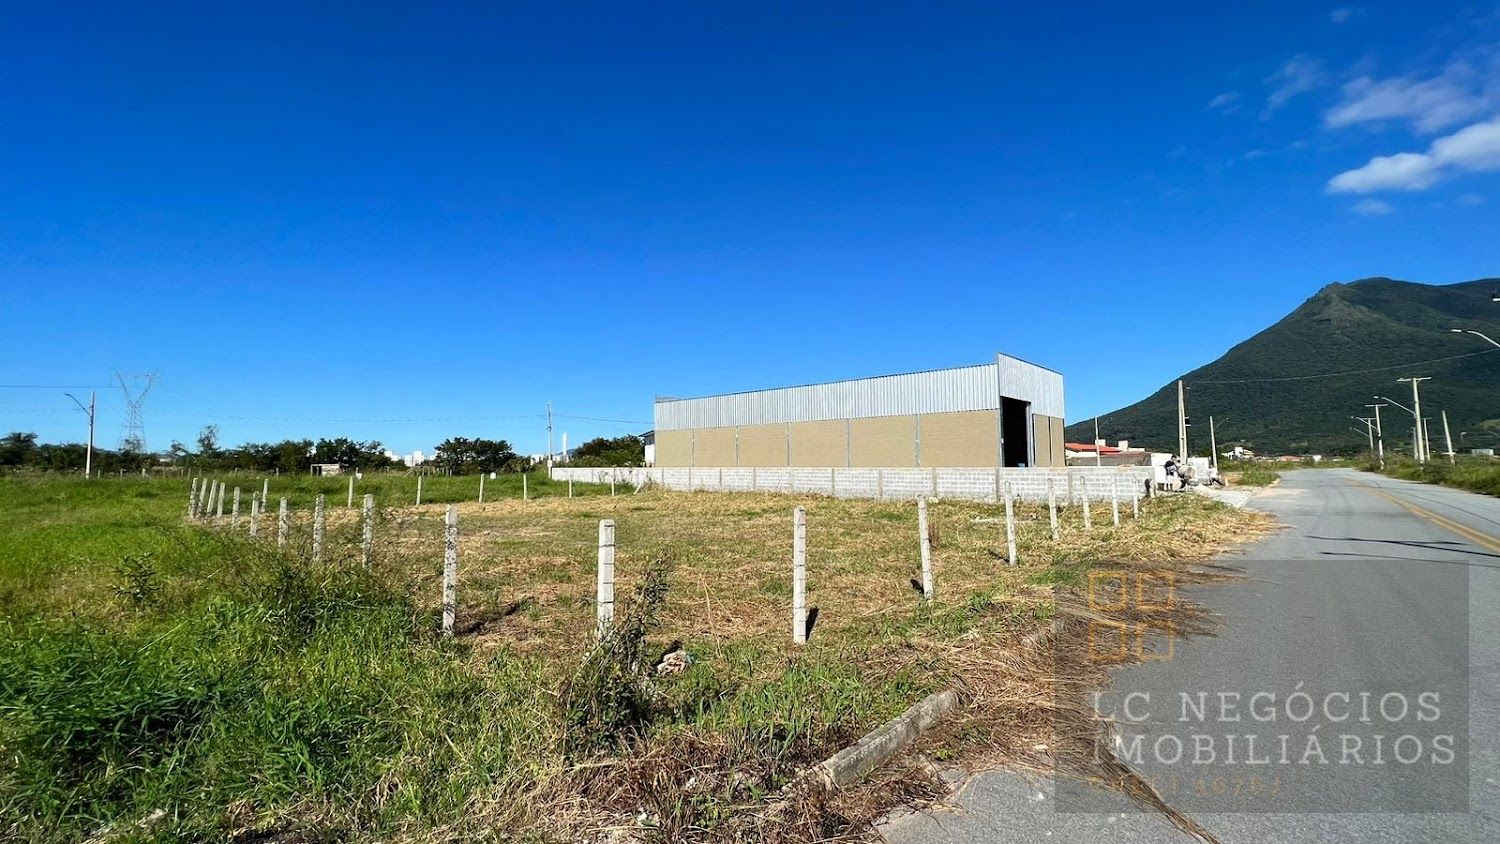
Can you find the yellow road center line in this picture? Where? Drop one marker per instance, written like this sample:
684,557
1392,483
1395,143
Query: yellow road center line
1483,540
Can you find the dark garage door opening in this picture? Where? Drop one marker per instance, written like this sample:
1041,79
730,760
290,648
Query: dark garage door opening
1014,429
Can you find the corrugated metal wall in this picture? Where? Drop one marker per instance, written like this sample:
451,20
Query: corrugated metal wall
936,391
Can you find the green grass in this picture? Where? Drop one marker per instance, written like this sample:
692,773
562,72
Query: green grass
1256,474
1475,474
154,668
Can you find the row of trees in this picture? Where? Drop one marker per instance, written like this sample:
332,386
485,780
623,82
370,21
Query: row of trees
455,455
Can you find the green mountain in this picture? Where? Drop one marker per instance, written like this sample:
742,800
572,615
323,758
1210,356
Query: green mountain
1293,387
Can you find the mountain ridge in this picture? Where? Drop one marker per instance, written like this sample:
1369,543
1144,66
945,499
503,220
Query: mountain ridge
1294,386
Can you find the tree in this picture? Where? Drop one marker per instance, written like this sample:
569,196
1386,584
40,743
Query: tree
604,451
208,442
18,449
460,455
351,454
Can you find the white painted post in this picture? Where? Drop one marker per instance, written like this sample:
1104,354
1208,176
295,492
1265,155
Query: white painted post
1010,527
350,503
254,514
1070,489
419,490
367,543
1114,501
604,597
317,549
234,513
1052,507
265,491
1135,505
1088,523
283,524
799,576
481,487
525,492
219,513
570,484
611,483
450,569
926,543
193,499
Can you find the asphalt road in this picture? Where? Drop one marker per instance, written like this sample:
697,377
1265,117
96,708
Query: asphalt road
1378,592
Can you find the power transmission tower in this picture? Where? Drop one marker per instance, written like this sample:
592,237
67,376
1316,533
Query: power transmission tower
135,388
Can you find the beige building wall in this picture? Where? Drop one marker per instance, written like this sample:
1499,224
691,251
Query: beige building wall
961,439
762,445
713,447
820,443
674,448
882,441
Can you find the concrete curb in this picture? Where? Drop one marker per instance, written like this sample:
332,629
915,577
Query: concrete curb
851,764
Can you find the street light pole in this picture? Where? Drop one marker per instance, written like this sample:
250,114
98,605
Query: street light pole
1379,435
1369,424
1479,334
1416,412
1182,424
1416,442
88,456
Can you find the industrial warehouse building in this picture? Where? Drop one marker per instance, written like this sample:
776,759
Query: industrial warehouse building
1006,413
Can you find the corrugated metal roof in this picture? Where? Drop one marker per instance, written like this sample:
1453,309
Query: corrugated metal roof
934,391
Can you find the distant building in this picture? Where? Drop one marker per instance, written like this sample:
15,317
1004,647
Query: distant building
1100,454
1482,452
649,439
327,469
1004,413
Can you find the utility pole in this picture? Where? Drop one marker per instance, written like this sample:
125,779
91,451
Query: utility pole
1418,446
549,437
1182,423
88,456
1369,423
1379,435
1448,435
1098,446
1213,445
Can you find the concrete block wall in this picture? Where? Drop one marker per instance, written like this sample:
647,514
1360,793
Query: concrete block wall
977,484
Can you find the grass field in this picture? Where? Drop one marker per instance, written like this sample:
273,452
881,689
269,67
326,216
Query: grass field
162,680
1475,474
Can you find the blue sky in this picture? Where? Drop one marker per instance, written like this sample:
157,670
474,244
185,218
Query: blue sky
430,222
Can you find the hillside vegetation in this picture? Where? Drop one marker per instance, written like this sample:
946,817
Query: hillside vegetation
1365,325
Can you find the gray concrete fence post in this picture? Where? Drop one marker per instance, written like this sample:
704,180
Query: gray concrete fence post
570,484
317,545
1052,507
1088,520
1010,527
450,569
283,525
254,514
604,601
265,492
481,487
219,513
193,500
350,502
525,493
879,484
419,490
234,512
367,541
925,538
799,576
1114,501
1135,505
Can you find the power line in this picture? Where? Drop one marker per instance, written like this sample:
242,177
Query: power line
1349,372
597,419
56,386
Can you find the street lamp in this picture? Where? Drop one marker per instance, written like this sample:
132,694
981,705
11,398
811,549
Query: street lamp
1486,337
1416,446
88,457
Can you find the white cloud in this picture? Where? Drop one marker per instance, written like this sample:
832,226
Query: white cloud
1225,101
1461,92
1472,148
1299,75
1372,207
1341,15
1469,200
